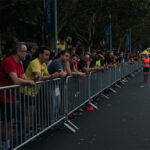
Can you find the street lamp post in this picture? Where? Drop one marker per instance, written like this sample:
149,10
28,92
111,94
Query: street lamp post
130,40
56,34
110,16
110,33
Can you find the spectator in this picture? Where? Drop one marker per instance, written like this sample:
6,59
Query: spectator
93,58
120,59
99,60
80,53
110,60
60,50
110,57
51,58
72,51
11,72
84,64
58,65
29,56
72,68
1,57
36,70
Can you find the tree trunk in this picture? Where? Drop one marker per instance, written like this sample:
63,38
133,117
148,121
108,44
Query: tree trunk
121,42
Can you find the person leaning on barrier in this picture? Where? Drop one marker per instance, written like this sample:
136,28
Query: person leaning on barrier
110,60
11,73
58,65
120,59
93,58
72,68
37,71
84,64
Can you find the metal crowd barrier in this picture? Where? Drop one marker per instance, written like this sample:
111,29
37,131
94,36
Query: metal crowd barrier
49,103
32,115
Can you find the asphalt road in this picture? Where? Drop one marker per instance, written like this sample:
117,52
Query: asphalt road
121,123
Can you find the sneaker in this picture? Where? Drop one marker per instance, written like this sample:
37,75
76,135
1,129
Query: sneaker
70,116
90,108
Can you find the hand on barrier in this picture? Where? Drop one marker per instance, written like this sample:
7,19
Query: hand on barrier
55,75
62,74
31,82
81,74
102,68
37,78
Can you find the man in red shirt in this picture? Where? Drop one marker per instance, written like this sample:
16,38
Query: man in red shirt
11,73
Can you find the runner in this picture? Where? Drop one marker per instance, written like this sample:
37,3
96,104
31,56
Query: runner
146,65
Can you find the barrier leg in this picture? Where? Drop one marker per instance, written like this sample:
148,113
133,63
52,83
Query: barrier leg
73,124
132,75
102,95
121,82
69,127
128,78
118,86
93,105
124,80
111,89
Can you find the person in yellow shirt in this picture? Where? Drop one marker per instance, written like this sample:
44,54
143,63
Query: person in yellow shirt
37,71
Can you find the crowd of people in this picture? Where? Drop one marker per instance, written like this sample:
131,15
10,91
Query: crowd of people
27,65
74,61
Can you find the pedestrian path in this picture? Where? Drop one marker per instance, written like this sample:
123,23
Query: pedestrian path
120,123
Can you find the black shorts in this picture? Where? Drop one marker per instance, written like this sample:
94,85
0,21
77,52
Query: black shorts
27,100
6,108
145,69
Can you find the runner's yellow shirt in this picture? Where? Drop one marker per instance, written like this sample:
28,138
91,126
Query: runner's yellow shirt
34,66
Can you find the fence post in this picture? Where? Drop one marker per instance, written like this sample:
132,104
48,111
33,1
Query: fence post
89,91
67,123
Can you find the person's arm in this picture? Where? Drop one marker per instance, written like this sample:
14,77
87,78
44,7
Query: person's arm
24,77
39,77
17,80
86,69
59,68
69,72
10,69
98,68
75,72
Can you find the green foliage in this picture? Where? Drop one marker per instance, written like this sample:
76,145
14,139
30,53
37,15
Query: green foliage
84,20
